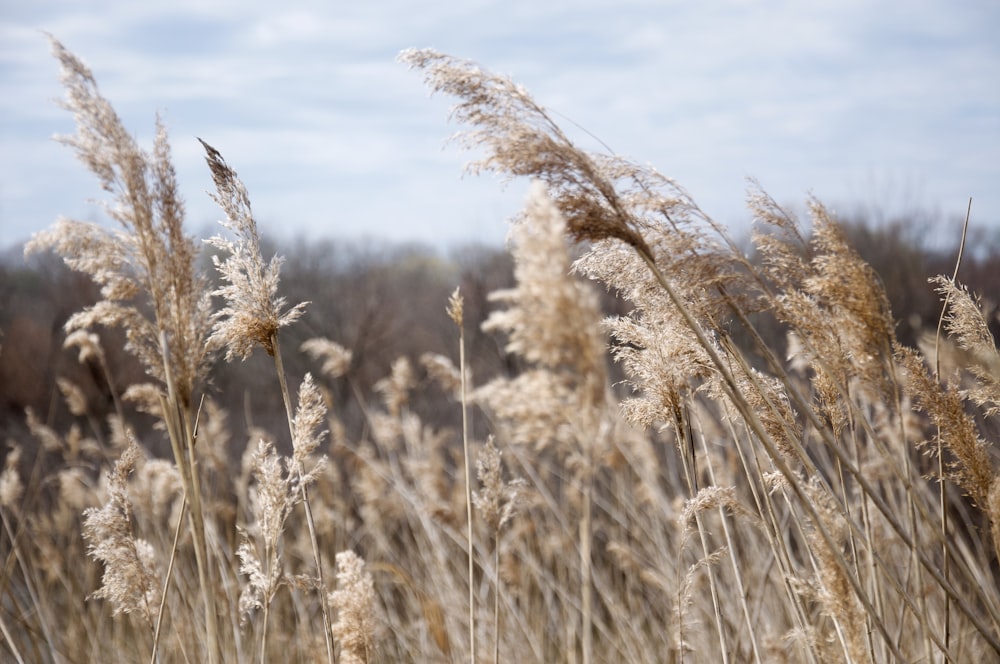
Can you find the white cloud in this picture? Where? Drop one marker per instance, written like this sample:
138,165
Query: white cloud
306,101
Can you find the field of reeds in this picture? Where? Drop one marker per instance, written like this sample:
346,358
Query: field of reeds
740,463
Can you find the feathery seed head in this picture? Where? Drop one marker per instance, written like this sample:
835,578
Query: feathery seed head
354,601
443,370
271,499
966,322
456,306
552,320
309,418
395,388
11,487
130,579
547,296
520,139
972,468
336,359
89,345
76,400
499,501
149,257
253,312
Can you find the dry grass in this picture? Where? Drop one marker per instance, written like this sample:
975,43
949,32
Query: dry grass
769,500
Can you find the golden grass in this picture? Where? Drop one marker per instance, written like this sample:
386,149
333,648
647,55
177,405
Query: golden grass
764,500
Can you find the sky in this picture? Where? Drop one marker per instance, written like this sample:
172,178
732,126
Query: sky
887,106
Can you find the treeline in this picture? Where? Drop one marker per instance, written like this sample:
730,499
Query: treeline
381,301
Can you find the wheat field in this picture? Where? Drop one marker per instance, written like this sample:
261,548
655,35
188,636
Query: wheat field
669,483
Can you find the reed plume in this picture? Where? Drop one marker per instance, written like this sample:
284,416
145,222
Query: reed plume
354,601
253,311
149,260
131,579
252,315
147,271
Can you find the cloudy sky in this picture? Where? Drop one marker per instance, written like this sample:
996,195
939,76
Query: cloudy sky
892,105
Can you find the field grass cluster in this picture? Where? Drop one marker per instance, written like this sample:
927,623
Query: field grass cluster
828,494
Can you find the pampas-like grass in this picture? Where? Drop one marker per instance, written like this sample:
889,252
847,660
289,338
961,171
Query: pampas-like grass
967,325
252,315
131,580
819,287
355,605
498,503
253,311
336,359
11,487
738,496
149,259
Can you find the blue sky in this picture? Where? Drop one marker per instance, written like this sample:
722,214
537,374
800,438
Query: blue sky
893,105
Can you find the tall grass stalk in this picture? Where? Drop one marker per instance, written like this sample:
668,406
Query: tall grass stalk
30,588
498,503
730,547
686,433
166,581
456,311
942,493
606,198
149,283
253,315
586,564
5,631
182,442
161,611
306,504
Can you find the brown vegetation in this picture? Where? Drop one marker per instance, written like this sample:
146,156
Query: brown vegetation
634,442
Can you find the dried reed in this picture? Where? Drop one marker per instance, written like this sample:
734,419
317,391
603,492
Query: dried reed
725,493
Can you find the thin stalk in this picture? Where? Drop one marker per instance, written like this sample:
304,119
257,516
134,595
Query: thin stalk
866,524
586,564
314,540
166,580
32,593
931,567
455,310
119,411
753,420
686,433
974,617
942,497
10,641
771,525
468,493
496,598
173,553
730,545
182,442
267,609
911,504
